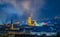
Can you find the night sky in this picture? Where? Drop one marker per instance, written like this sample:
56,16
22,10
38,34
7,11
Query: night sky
21,9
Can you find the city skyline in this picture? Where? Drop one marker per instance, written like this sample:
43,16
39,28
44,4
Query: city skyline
14,9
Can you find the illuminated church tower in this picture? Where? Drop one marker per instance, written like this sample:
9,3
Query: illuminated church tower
29,21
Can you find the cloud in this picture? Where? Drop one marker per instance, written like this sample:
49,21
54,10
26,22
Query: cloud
22,7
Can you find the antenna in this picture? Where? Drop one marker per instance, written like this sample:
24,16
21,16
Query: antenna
11,21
